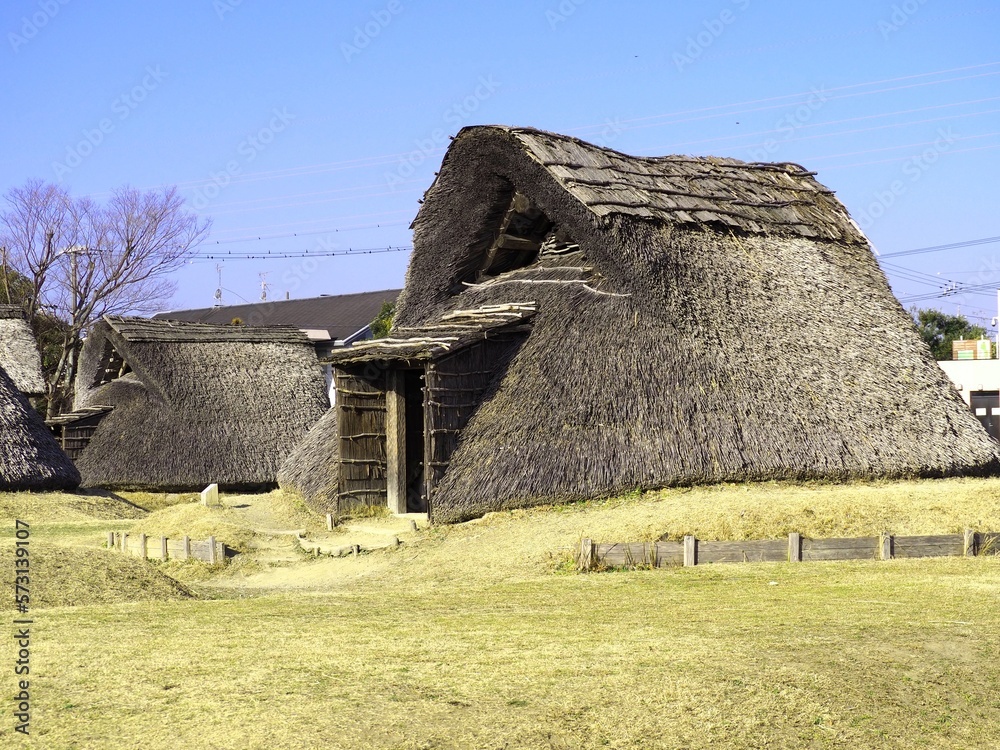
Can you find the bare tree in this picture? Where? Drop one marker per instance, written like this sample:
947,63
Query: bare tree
86,260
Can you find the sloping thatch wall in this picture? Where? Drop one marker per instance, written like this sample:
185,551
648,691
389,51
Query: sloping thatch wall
30,459
195,404
309,471
19,353
710,321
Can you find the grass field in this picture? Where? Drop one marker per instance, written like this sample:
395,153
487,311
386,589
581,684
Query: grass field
480,636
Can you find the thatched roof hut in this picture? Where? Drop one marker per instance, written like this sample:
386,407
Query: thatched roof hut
30,459
19,353
578,322
172,406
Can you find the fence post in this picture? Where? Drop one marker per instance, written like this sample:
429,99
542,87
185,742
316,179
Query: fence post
690,551
586,560
969,543
885,546
794,547
329,521
142,546
187,548
163,548
211,550
111,540
125,542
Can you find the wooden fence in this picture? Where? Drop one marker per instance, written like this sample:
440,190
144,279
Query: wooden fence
796,548
162,548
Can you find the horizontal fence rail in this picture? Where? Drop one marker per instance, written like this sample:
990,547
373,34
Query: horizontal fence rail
795,548
162,548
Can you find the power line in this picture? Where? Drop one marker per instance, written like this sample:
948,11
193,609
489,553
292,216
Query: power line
938,248
285,255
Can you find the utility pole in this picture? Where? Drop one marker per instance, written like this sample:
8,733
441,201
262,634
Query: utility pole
218,292
995,322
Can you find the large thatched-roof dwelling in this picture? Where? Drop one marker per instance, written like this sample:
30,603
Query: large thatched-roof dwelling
172,406
578,322
30,459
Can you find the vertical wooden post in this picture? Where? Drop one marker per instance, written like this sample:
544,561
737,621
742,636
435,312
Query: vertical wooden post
211,550
587,554
187,548
125,542
395,440
794,547
969,543
885,546
690,551
111,540
163,548
142,546
329,521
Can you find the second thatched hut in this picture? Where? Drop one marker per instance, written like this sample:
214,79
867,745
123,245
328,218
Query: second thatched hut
164,405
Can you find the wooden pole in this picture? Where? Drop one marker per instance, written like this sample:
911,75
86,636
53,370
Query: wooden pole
794,547
163,548
885,546
187,548
969,543
690,551
142,546
329,521
211,550
586,560
125,541
111,540
395,440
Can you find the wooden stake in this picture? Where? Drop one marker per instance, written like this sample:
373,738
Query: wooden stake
111,540
969,543
142,546
163,548
794,547
885,546
187,548
690,551
211,550
586,560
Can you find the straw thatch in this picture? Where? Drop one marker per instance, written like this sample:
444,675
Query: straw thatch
698,320
309,471
194,404
30,459
19,353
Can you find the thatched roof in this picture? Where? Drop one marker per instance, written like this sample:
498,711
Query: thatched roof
30,459
195,404
18,352
698,320
309,469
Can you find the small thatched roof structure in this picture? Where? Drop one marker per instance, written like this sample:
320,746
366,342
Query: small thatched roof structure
691,320
182,405
19,353
30,458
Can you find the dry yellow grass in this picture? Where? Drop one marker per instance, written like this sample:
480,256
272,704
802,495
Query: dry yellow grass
469,636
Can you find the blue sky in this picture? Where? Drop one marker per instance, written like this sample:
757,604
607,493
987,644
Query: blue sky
313,126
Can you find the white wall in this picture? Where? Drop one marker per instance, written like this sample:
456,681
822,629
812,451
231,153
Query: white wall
970,375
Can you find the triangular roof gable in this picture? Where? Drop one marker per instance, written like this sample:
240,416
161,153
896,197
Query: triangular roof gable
132,337
588,192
